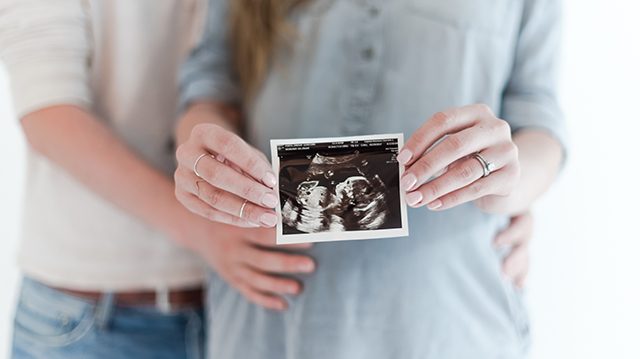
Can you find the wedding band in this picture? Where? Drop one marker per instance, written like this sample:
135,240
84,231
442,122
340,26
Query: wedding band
487,167
244,204
198,186
195,165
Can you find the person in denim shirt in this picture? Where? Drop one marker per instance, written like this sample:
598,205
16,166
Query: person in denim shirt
473,81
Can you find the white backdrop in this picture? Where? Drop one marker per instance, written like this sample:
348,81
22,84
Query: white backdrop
584,291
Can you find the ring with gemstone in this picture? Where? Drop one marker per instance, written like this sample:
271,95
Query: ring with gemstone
487,167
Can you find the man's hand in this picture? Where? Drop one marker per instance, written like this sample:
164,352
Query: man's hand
248,259
517,236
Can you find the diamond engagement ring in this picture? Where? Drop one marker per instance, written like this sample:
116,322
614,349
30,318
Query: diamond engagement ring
487,167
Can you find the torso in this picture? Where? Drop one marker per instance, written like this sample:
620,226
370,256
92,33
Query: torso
367,67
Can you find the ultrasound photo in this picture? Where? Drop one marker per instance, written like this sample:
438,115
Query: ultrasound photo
339,188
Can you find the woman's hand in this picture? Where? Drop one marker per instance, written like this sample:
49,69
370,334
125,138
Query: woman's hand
222,178
469,130
248,259
516,236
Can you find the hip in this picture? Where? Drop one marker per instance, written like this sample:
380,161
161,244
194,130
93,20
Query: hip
50,323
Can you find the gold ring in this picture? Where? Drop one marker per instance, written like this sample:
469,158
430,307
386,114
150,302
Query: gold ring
195,165
198,186
244,204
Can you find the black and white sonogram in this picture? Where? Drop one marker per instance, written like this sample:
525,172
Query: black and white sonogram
339,188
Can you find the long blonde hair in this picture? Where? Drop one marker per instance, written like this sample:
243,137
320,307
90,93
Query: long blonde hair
257,27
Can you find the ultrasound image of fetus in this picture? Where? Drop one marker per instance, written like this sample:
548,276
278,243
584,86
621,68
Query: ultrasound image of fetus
337,193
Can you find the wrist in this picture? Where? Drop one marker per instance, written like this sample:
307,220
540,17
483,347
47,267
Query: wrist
179,224
507,205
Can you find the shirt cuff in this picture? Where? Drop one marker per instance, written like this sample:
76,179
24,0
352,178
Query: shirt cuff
38,87
203,89
522,114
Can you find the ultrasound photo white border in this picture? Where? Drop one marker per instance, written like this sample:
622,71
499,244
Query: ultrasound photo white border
283,238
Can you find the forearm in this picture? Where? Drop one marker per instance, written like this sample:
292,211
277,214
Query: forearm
77,142
540,157
206,112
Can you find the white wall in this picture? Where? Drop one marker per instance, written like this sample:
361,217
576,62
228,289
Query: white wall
584,290
11,175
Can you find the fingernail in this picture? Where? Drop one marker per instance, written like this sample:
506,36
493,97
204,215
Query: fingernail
435,204
293,289
414,198
270,200
269,219
404,156
281,306
306,267
408,181
269,179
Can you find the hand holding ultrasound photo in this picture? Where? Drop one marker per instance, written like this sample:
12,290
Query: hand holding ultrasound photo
335,189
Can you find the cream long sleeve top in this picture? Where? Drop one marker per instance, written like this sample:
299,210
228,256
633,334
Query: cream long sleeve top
117,59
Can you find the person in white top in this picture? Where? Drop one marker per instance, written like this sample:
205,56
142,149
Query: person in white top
113,264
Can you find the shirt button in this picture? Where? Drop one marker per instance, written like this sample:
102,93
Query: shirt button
367,53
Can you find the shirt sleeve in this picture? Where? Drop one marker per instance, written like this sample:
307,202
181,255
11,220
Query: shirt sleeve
44,45
208,72
530,99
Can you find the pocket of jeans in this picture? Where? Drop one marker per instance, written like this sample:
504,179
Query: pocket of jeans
47,317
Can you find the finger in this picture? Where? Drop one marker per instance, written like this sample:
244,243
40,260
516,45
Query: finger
268,301
277,262
460,174
453,148
196,206
294,246
439,125
227,179
218,140
492,184
260,154
516,264
521,280
235,167
519,231
225,201
267,238
269,283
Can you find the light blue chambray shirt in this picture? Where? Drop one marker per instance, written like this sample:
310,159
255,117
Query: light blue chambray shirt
381,66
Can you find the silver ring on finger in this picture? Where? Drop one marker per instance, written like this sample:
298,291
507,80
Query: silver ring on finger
244,204
195,164
487,167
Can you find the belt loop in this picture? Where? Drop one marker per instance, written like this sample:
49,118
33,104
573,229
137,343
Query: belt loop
163,302
104,310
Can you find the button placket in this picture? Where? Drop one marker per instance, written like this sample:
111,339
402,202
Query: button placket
364,70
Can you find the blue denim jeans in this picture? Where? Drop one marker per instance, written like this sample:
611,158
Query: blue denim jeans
51,324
